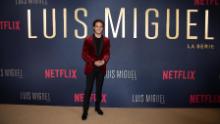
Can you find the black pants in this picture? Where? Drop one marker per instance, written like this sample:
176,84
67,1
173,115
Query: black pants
99,77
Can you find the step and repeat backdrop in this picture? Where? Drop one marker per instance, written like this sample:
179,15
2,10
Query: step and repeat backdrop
164,53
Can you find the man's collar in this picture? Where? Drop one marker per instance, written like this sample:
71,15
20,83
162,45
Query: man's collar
96,37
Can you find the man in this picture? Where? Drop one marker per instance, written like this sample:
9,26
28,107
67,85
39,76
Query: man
96,54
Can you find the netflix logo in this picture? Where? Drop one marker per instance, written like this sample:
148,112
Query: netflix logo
179,74
10,25
206,2
78,97
60,73
204,98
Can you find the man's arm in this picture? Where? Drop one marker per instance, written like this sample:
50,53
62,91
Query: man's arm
85,53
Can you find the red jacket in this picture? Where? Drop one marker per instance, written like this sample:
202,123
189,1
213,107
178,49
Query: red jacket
89,54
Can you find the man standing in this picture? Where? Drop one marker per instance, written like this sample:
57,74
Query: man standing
95,53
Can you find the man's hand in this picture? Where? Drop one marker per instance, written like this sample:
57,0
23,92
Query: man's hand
99,63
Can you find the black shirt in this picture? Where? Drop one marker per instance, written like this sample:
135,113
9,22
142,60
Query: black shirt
98,43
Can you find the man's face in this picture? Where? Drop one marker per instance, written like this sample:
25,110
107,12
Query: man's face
98,28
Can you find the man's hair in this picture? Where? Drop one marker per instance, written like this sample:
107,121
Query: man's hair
98,20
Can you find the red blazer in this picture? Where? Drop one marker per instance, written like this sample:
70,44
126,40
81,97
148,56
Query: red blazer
89,54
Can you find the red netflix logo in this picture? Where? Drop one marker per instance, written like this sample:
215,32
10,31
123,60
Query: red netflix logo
10,25
78,97
179,74
206,2
204,98
60,73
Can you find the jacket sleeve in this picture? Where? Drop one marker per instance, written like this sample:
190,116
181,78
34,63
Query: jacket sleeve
106,55
85,53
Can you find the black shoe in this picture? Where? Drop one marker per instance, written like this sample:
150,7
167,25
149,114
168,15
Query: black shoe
84,116
99,111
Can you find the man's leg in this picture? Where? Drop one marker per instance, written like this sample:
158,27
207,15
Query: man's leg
99,84
87,93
